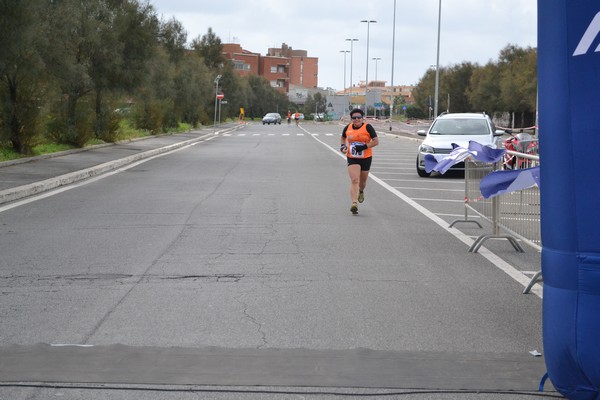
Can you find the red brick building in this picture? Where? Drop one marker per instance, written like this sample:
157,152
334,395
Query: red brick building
283,67
244,62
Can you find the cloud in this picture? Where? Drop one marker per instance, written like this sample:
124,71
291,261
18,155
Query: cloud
471,30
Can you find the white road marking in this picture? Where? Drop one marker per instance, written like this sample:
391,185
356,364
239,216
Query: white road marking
511,271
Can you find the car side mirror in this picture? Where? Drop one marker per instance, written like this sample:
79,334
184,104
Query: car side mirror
500,132
421,132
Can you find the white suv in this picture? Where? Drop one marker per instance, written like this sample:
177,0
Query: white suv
457,128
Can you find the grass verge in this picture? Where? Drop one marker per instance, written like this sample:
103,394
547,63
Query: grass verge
126,132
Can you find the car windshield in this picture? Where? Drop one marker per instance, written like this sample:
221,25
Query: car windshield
272,115
465,126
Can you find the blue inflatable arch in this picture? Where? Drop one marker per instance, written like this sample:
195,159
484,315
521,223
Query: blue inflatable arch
569,118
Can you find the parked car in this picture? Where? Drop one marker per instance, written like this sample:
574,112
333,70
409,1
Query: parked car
272,118
457,128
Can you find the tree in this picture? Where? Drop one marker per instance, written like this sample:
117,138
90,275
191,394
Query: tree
155,99
192,90
263,98
321,102
230,85
454,87
210,48
73,29
138,28
128,32
173,37
484,89
424,91
97,47
508,85
21,73
518,79
315,104
453,83
399,101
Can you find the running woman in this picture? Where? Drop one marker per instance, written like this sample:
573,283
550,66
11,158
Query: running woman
297,117
357,140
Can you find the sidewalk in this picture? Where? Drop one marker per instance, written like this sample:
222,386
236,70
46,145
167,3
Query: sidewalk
25,177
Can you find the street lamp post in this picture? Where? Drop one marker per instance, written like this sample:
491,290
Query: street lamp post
216,99
344,51
393,47
437,64
220,101
375,59
367,73
351,57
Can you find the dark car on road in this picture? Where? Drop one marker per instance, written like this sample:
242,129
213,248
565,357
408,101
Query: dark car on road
272,118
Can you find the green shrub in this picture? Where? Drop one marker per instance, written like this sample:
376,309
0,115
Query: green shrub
76,132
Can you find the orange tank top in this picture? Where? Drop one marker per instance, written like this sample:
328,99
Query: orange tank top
358,136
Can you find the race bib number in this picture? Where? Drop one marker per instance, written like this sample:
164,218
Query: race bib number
354,152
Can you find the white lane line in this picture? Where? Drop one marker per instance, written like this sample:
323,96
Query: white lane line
426,199
396,173
432,189
511,271
388,168
424,181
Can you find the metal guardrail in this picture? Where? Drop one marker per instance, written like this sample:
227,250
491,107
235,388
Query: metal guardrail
514,216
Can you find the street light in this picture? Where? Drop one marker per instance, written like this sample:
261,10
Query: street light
375,59
393,47
216,94
344,51
437,64
369,21
351,52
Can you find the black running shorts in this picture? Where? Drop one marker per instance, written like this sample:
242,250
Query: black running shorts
365,163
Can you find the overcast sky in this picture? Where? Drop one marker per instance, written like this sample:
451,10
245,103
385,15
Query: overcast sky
471,30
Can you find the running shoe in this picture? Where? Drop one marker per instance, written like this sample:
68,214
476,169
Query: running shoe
354,209
361,196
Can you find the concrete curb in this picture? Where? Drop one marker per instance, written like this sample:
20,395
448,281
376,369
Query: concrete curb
74,151
20,192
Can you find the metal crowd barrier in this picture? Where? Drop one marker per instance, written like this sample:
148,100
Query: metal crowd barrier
514,216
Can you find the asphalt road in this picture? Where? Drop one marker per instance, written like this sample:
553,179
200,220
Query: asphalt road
232,268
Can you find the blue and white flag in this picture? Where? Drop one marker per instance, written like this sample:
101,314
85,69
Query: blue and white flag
476,150
507,181
485,153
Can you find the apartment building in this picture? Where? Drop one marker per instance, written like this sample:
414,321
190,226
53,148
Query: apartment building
244,62
381,92
284,67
